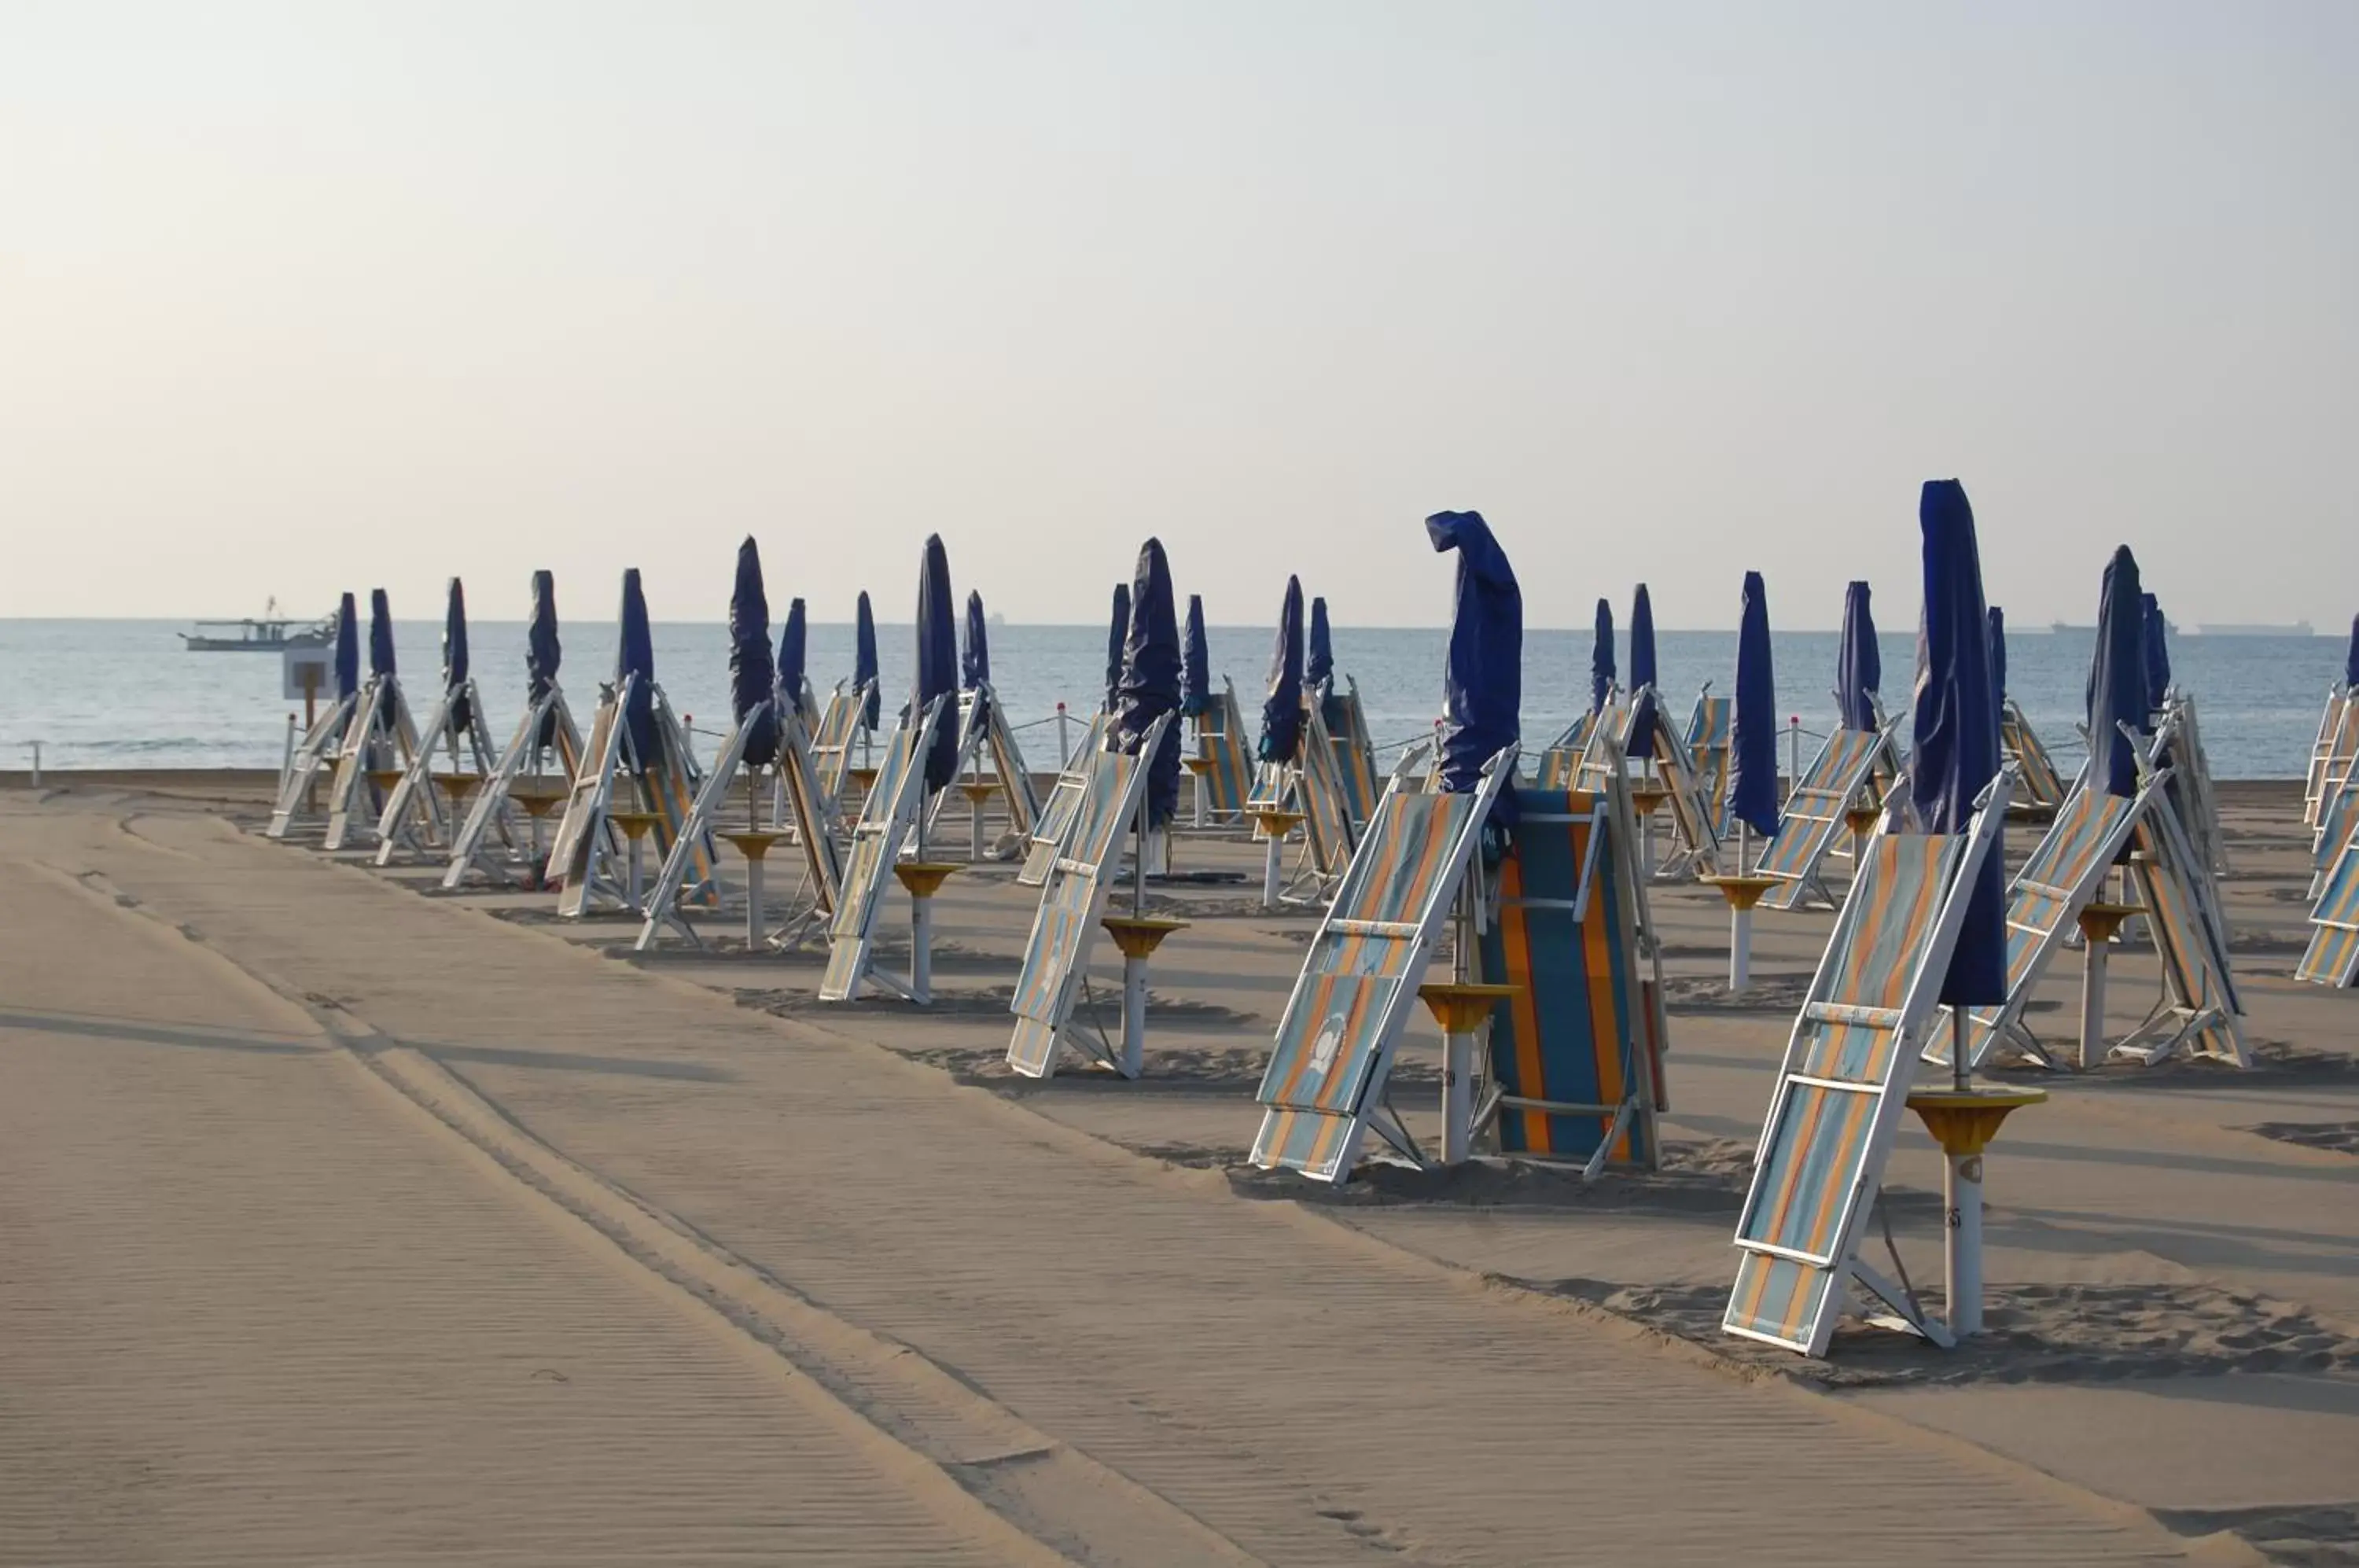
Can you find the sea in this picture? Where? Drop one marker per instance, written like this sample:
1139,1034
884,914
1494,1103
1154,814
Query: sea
113,694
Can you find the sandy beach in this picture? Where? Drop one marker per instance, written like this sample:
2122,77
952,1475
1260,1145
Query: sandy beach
351,1220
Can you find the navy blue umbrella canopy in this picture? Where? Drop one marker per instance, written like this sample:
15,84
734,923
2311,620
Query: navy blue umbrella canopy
794,656
752,674
634,655
380,633
1482,679
1151,679
348,647
863,661
542,652
2157,653
1753,740
1117,634
1196,663
937,662
1642,671
2116,694
1601,659
2351,656
455,654
1281,711
1998,652
1955,710
974,659
1859,663
1319,651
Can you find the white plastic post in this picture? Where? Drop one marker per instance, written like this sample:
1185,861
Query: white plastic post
2092,1002
1204,788
286,757
922,951
1457,1098
1964,1252
755,928
635,881
1793,753
1064,738
1740,951
1272,868
1646,847
974,827
1134,1015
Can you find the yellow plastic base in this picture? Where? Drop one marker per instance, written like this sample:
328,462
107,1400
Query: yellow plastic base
923,879
1460,1007
1743,892
1964,1121
751,845
2098,921
1139,935
1277,824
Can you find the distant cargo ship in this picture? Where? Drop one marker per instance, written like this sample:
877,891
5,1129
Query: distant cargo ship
2229,628
2062,627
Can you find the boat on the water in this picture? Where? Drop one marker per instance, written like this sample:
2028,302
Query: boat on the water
270,632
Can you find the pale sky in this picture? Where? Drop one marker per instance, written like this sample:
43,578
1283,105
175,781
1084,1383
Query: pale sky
309,297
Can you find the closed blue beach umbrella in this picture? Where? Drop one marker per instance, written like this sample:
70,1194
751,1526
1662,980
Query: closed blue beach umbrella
1117,634
1319,651
1195,663
1281,711
380,634
1151,679
1600,658
1753,741
1955,713
455,654
974,657
348,647
864,662
1998,652
1482,677
634,655
1642,672
1859,663
2350,654
936,661
2157,654
542,651
794,656
752,674
2116,691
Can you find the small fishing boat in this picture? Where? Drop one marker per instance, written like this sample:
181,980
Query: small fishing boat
266,633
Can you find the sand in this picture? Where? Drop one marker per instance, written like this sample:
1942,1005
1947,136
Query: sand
323,1172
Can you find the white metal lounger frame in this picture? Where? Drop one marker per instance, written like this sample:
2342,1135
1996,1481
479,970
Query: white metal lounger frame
321,744
1064,929
1839,1264
490,807
381,722
2334,742
1057,813
1820,801
885,819
1371,1109
414,813
662,901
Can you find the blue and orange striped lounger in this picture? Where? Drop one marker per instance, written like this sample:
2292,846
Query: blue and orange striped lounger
1842,1087
885,819
1813,816
1711,729
2043,790
1559,764
1221,740
1355,755
831,740
2066,872
1325,1086
2332,956
2200,1011
1056,954
1575,1055
2330,754
1326,810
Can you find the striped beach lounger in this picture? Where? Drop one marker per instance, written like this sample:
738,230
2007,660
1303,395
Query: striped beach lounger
1056,812
2201,1012
1325,1086
320,746
381,736
1575,1056
2336,823
2332,956
2342,750
551,717
1056,954
1842,1085
585,843
885,819
1356,756
671,788
1319,790
1813,817
831,740
2042,789
1222,739
1711,729
2331,739
984,735
2179,745
1559,763
2066,872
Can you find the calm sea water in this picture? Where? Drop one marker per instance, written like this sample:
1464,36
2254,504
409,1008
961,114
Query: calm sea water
124,694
